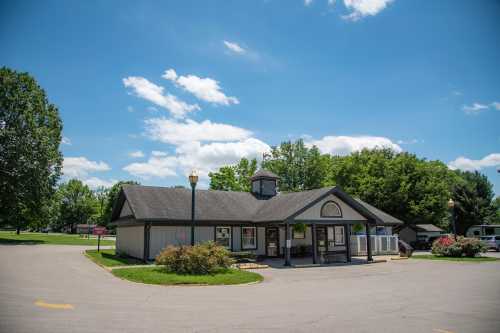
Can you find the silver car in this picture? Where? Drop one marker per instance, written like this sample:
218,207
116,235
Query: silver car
493,242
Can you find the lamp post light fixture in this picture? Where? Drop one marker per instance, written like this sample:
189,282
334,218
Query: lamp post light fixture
193,179
451,207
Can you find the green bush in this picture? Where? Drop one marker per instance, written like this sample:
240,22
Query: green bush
206,258
462,247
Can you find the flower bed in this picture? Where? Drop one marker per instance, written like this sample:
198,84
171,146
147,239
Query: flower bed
447,246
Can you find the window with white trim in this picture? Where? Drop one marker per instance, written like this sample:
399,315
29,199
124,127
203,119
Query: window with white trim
331,209
223,236
249,238
339,235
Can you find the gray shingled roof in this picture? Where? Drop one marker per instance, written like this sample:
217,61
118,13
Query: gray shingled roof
263,173
174,204
428,227
386,218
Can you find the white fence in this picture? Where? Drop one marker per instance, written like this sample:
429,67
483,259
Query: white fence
381,244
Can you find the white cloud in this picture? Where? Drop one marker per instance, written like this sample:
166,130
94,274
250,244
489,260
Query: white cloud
307,2
495,105
466,164
210,157
206,89
474,109
136,154
94,182
158,165
66,141
407,142
344,145
175,132
79,167
153,93
234,47
362,8
331,2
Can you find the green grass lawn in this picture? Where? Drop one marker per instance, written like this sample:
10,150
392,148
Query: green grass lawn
10,237
157,275
109,258
463,259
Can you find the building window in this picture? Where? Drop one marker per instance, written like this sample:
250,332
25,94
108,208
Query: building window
331,209
223,236
249,238
339,235
299,234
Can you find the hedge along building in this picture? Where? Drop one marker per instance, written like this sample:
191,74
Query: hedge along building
149,219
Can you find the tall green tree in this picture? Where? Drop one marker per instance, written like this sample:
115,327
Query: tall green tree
101,195
412,189
111,199
495,219
30,160
234,177
77,205
299,167
473,195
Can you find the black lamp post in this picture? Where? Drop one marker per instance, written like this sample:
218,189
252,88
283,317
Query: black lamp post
193,179
451,207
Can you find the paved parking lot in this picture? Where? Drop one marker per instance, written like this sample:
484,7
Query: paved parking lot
400,296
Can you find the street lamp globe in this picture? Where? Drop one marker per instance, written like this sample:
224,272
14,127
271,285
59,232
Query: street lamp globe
451,204
193,177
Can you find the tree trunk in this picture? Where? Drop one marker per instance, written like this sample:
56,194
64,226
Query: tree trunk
18,230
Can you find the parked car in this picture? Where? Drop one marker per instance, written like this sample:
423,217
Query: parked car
493,242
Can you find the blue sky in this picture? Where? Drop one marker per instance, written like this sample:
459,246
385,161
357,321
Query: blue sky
150,90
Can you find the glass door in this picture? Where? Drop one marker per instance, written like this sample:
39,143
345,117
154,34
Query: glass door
321,240
272,242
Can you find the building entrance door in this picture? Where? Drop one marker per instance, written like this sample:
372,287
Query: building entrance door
272,242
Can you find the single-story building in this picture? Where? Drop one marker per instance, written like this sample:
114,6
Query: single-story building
148,219
483,230
419,235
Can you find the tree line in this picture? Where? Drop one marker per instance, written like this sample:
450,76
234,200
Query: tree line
412,189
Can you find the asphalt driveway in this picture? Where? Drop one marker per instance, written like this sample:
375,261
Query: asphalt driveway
45,288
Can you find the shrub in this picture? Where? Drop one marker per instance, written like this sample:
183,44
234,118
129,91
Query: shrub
206,258
471,246
449,247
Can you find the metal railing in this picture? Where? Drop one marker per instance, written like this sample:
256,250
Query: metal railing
381,244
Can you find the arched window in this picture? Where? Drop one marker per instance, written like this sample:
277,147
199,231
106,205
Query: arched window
331,209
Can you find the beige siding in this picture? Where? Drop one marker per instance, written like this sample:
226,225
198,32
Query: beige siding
236,238
203,234
130,240
314,213
261,241
163,236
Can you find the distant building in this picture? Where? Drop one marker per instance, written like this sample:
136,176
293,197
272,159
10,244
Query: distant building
419,235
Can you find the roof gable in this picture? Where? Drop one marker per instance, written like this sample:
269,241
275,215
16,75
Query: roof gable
314,212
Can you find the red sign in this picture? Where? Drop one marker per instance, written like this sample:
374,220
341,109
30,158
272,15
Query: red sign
100,231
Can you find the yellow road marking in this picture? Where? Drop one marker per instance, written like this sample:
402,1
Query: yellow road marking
42,304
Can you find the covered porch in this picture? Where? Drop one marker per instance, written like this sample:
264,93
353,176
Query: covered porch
316,242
